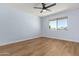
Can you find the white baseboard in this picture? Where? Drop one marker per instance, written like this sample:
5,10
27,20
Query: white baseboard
77,41
37,37
20,40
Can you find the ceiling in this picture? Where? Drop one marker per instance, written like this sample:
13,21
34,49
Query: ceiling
28,7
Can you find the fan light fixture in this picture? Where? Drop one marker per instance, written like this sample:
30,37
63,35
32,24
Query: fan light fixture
44,10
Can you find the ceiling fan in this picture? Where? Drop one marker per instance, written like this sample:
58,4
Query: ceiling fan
44,7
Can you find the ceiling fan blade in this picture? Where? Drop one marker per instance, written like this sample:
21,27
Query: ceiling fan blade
38,7
51,5
41,11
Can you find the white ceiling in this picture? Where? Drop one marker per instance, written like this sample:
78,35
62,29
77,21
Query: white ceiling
28,7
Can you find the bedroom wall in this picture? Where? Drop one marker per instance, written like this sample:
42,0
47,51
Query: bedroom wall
72,34
17,26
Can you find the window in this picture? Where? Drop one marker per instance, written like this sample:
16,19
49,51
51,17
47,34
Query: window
58,23
52,25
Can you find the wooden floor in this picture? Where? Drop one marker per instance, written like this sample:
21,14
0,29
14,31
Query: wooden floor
41,47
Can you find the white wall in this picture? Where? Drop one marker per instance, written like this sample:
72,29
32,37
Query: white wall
17,26
71,34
